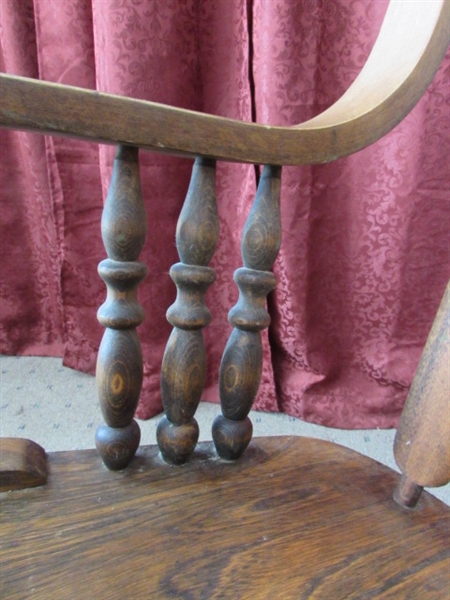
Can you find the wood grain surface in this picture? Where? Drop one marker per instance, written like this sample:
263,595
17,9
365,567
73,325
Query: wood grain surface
183,371
422,441
119,370
242,359
294,518
406,55
23,464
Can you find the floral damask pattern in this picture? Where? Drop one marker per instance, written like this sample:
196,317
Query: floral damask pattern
31,307
365,253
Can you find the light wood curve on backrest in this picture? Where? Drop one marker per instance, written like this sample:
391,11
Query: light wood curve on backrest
411,44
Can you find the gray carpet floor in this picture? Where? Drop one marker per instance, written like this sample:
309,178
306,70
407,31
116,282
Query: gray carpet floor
57,408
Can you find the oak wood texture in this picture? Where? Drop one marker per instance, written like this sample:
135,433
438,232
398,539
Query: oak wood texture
294,518
119,370
407,492
241,365
412,41
23,463
183,371
422,441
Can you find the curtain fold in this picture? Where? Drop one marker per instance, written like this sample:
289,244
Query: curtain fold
365,252
357,290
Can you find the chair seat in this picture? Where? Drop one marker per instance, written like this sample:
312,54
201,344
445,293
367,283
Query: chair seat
293,518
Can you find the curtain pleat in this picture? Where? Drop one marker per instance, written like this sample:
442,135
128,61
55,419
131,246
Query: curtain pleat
365,252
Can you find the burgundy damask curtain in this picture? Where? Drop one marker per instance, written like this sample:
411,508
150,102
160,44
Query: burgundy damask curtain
365,253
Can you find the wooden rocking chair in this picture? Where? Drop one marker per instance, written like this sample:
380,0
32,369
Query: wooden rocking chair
284,518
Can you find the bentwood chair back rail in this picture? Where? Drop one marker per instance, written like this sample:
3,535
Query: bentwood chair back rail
283,517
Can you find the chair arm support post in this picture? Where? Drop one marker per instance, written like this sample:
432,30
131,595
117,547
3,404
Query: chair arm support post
422,441
241,366
119,371
183,369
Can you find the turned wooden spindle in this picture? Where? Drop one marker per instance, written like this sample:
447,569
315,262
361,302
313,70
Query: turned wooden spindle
241,366
184,364
422,441
119,363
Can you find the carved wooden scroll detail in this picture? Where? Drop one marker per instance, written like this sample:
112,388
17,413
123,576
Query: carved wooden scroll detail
119,363
241,366
184,363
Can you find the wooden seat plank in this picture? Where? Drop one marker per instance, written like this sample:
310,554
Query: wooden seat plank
293,518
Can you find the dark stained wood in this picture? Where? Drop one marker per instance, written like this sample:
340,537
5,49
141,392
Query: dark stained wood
240,373
189,311
407,53
422,441
241,365
198,225
183,375
231,437
23,463
294,518
183,369
177,441
124,222
407,493
119,370
261,237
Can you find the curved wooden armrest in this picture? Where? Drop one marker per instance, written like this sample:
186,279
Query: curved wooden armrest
23,464
412,41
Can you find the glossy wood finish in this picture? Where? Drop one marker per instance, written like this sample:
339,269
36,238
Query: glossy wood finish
407,53
119,362
23,463
183,370
425,420
294,518
241,365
